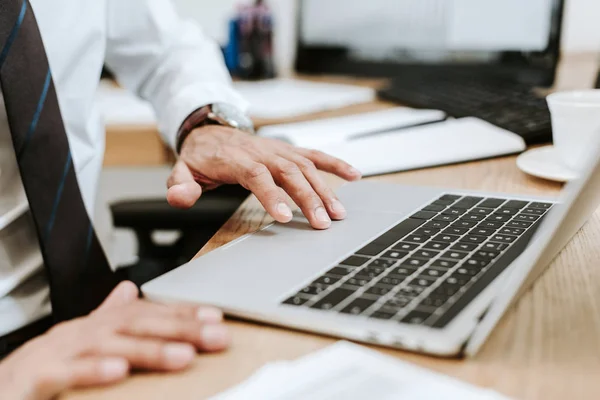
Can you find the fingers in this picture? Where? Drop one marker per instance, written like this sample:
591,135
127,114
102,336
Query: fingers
334,207
87,371
183,190
148,354
125,293
291,178
257,178
203,336
330,164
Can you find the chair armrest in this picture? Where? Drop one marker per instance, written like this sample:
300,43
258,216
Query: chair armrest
213,208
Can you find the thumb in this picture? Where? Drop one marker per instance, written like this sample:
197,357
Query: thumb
183,191
124,293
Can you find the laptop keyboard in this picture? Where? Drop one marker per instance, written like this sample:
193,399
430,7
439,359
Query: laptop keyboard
427,268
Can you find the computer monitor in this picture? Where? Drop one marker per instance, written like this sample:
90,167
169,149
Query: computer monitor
518,39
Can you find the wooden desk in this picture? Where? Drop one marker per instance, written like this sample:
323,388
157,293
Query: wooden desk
548,347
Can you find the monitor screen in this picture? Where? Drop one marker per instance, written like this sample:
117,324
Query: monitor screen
428,30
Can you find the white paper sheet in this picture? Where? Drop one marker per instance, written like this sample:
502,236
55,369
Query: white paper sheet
287,98
447,142
351,372
322,132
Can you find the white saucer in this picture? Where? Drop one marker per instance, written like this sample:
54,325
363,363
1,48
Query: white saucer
543,163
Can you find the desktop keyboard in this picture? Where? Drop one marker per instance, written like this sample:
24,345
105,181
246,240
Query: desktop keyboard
513,107
427,268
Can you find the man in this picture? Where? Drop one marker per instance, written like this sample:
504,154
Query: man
51,55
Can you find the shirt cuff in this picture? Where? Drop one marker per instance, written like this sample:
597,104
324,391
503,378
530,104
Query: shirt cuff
195,96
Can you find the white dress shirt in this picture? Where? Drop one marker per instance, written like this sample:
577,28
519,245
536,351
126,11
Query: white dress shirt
161,57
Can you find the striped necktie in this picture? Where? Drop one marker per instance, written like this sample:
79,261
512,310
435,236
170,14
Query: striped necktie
78,270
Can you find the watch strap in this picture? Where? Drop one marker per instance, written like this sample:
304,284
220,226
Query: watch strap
196,119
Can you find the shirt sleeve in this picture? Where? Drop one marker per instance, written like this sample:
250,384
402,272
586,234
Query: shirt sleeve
166,60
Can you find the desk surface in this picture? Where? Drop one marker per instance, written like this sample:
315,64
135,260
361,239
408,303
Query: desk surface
547,347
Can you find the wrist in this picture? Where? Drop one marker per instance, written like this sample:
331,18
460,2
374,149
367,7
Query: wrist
214,114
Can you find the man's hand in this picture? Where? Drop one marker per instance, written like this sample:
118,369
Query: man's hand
124,333
215,155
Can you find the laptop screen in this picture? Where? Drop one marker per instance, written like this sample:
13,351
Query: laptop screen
429,31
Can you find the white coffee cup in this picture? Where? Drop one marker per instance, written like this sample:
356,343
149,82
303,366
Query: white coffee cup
575,123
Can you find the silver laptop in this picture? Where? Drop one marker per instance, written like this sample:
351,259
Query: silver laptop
415,268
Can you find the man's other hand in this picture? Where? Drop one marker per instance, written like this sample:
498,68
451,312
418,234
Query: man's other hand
214,155
124,333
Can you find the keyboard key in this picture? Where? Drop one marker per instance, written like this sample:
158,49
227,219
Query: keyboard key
511,231
545,206
454,211
482,231
464,224
359,281
450,197
516,204
405,227
456,231
490,224
491,203
382,263
312,290
403,246
534,211
473,239
427,231
416,317
417,238
473,217
296,301
526,218
494,246
434,301
468,202
371,250
498,218
435,208
464,246
392,280
486,254
504,238
325,281
446,290
409,291
443,264
457,279
446,238
379,290
481,211
414,262
355,261
432,273
369,273
436,245
382,315
519,224
395,304
443,202
424,215
445,218
425,254
507,211
477,263
340,271
405,270
422,282
436,224
454,255
358,306
388,239
395,254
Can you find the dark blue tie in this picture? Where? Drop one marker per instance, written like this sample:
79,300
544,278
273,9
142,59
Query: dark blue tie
78,270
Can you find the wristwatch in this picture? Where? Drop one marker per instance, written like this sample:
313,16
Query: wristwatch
214,114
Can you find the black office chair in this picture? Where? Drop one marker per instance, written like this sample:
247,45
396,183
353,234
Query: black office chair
196,226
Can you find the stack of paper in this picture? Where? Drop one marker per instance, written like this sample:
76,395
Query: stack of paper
351,372
287,98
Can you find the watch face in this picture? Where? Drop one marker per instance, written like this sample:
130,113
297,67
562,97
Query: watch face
232,116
